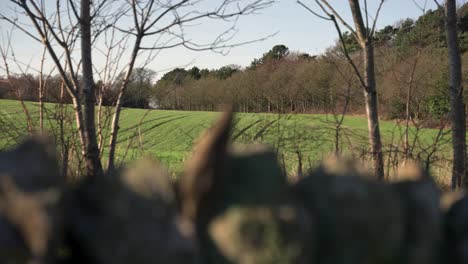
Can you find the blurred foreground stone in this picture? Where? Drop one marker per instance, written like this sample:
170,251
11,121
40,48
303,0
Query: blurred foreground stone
31,203
130,217
359,220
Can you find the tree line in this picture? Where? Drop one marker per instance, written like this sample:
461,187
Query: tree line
287,81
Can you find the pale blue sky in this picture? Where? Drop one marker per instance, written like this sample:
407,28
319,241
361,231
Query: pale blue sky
297,28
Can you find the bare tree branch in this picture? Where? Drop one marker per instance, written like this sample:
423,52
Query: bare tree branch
376,18
333,11
312,11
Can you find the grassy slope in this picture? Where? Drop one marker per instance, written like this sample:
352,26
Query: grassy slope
169,135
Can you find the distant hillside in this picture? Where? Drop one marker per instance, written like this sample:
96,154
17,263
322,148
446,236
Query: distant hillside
292,81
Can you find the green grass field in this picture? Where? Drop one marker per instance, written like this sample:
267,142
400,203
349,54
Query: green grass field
169,135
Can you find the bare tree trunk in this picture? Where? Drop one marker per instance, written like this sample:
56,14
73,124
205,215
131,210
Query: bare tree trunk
364,36
370,89
409,91
339,121
65,147
100,122
374,133
299,163
41,92
457,111
93,164
118,106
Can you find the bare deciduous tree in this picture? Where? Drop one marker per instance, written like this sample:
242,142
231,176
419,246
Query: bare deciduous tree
364,34
457,106
61,28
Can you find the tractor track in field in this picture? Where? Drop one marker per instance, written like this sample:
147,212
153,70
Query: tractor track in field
242,131
264,129
147,121
152,127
